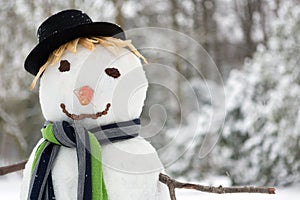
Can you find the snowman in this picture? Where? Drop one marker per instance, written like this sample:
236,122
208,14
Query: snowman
92,91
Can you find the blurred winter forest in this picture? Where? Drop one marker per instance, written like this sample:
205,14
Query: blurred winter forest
255,49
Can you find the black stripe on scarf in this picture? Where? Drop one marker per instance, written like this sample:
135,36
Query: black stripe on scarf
120,124
124,137
69,130
41,171
50,187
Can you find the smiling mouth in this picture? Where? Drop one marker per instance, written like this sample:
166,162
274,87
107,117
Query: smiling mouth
83,116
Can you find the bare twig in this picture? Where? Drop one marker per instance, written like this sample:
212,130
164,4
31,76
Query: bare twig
12,168
172,184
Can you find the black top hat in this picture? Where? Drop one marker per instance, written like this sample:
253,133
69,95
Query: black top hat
63,27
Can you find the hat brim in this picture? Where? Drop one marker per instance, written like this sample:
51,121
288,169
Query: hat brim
39,55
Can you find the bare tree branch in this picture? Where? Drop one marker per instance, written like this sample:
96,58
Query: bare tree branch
172,184
12,168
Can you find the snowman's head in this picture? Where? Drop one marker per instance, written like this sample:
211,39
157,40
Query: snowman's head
99,84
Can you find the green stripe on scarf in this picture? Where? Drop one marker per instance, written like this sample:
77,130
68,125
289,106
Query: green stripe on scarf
48,134
99,189
98,186
37,154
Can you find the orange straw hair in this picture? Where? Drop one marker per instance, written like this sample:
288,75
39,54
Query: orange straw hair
112,44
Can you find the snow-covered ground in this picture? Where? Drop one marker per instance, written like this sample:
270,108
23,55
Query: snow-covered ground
10,189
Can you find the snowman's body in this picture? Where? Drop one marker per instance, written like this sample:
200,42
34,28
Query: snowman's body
130,167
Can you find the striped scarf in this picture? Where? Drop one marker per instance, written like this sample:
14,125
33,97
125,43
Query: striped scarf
91,184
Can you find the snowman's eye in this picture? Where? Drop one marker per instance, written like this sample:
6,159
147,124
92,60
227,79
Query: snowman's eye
64,66
113,72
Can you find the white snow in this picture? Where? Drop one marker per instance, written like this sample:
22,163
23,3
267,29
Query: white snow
10,190
10,186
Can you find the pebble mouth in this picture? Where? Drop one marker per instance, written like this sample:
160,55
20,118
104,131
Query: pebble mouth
83,116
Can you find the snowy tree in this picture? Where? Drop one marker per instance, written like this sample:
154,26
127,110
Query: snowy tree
18,106
261,135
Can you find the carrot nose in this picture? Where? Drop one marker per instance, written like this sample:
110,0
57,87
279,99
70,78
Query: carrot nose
84,94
